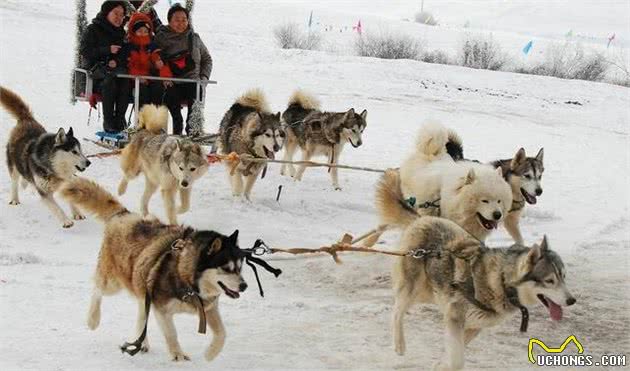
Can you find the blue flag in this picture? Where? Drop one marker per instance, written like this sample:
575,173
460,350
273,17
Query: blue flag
528,47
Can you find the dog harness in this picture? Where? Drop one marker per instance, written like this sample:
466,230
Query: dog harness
191,294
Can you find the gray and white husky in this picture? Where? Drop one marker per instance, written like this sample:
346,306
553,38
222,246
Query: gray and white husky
249,128
319,133
522,173
42,159
474,286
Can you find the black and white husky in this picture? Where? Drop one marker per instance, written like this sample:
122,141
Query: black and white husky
42,159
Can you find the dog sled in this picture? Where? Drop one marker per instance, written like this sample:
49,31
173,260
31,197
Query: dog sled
83,91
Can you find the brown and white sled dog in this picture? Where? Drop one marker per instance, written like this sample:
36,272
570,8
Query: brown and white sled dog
473,195
249,128
474,286
523,174
168,163
42,159
166,261
319,133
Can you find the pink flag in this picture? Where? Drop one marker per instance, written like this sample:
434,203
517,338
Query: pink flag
358,27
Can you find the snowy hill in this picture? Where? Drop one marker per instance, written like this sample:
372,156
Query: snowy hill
319,315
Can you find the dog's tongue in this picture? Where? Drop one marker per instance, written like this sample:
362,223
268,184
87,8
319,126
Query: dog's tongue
270,154
555,311
529,198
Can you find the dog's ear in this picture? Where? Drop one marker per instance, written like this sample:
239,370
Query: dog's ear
348,114
544,245
279,116
499,171
470,177
70,132
234,237
540,155
60,138
518,159
178,145
196,148
252,124
215,246
364,114
535,253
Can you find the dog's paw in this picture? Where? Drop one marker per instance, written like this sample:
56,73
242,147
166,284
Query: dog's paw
180,356
337,188
145,347
93,322
440,366
400,349
14,202
78,216
68,224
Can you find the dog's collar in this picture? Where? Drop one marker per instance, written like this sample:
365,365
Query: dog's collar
517,205
512,296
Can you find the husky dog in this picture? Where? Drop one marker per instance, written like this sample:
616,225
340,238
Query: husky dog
523,174
166,261
249,128
167,162
474,286
39,158
319,133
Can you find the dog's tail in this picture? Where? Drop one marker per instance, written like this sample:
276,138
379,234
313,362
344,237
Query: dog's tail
15,105
153,118
433,138
390,203
454,146
304,100
254,98
91,197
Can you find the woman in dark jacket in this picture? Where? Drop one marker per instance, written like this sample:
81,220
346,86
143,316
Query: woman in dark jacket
187,57
100,46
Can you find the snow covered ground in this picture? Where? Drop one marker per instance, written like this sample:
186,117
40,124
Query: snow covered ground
318,315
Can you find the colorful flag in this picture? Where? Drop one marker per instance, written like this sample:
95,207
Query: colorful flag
528,47
610,39
358,27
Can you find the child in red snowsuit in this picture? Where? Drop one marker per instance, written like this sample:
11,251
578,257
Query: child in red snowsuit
143,59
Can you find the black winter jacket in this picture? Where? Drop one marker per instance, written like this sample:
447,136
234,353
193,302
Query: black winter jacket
96,42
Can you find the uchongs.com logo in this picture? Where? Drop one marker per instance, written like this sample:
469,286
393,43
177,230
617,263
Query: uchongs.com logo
558,356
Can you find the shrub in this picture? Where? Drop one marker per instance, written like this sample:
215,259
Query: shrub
568,61
482,53
435,56
388,46
289,36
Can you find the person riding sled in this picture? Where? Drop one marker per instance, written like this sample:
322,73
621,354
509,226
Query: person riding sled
187,57
100,47
143,58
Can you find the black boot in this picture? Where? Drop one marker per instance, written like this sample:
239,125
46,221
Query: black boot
109,101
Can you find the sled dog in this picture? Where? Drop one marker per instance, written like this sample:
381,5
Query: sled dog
475,287
319,133
168,163
249,128
167,261
522,173
39,158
